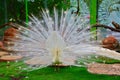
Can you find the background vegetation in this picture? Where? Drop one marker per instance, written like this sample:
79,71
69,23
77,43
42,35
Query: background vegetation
15,10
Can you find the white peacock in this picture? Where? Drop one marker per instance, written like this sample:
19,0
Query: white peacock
57,40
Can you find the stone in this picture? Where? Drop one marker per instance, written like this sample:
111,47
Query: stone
38,61
110,42
1,44
3,53
109,69
10,33
10,58
35,61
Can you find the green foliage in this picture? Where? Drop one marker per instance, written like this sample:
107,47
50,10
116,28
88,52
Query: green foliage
36,7
15,11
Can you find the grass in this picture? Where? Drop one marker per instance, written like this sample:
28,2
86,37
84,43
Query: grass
8,71
65,73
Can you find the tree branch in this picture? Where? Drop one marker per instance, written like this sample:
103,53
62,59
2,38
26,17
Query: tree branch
8,24
107,27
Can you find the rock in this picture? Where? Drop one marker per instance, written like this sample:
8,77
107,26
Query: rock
31,62
35,61
1,44
10,32
10,58
38,61
110,42
3,53
109,69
